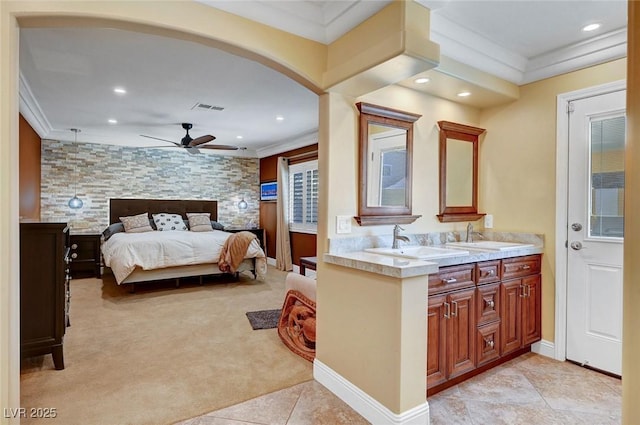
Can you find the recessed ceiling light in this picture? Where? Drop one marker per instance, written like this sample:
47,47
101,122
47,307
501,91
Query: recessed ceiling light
238,137
280,118
590,27
421,80
464,94
113,121
119,90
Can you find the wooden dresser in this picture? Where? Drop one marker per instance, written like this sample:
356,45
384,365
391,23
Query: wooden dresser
44,289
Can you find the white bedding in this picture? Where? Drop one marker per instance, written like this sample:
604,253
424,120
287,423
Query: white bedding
123,252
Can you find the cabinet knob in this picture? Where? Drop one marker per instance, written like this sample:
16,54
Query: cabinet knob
489,343
74,255
450,280
74,246
490,303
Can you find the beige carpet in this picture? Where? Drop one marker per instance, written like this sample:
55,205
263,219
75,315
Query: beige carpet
162,354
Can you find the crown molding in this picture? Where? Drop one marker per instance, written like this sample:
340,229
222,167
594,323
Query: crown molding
284,146
472,49
597,50
323,22
31,111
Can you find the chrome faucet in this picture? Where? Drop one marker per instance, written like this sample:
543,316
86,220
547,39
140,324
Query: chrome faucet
470,233
397,236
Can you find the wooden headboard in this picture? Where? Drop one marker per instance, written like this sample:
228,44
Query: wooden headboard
127,207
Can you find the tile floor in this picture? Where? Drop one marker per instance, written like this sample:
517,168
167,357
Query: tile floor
530,390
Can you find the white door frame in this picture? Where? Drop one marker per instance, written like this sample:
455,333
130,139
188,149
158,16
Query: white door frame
562,198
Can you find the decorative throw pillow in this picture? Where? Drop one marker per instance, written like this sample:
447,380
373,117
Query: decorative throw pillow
136,223
167,222
216,225
199,222
112,230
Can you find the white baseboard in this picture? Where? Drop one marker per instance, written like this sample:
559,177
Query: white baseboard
271,261
545,348
363,403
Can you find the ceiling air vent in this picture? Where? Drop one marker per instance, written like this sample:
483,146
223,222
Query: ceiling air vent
207,107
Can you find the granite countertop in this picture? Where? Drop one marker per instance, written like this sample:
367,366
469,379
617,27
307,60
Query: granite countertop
403,267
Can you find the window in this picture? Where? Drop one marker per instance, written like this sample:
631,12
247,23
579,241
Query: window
303,197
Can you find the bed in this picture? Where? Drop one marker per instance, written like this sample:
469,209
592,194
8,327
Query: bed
159,255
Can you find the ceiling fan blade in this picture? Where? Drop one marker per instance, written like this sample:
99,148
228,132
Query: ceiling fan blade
220,147
157,138
192,150
200,140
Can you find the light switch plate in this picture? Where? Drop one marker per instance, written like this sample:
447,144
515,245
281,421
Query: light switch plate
488,221
343,224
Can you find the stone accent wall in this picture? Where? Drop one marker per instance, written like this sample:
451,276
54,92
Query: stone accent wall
107,171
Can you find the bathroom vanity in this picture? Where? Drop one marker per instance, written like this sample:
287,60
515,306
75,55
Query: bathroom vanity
483,305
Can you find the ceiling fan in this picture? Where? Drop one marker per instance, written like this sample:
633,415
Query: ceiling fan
192,144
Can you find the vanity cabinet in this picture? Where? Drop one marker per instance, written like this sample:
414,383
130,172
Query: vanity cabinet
451,323
480,315
521,306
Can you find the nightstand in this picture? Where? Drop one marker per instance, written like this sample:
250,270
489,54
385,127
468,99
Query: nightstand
258,232
85,255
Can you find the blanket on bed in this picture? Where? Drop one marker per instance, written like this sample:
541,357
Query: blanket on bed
123,252
234,250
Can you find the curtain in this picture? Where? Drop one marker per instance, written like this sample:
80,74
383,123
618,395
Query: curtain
283,243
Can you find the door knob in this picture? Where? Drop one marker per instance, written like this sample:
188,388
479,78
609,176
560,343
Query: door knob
576,245
576,226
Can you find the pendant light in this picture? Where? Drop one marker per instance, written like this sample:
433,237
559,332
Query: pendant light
75,202
242,205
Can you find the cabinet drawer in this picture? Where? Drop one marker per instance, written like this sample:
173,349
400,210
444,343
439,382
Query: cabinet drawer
488,271
451,278
488,343
520,266
487,303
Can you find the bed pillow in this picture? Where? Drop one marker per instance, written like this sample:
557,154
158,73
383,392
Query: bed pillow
136,223
200,222
169,222
216,225
112,230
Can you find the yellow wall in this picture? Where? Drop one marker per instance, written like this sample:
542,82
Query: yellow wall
631,315
518,168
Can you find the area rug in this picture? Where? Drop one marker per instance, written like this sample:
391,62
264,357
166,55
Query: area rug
264,319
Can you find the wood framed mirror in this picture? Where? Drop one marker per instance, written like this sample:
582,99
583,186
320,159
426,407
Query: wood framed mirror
459,172
386,158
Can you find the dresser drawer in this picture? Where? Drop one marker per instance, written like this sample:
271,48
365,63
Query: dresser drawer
488,271
452,277
520,266
487,303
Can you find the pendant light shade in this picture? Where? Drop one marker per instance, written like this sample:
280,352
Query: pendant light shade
242,205
75,202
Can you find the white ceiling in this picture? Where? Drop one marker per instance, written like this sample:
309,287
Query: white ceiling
68,74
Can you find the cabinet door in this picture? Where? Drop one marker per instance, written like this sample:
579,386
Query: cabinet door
531,310
511,315
461,330
436,340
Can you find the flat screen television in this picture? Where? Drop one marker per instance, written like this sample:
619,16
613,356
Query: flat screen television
269,191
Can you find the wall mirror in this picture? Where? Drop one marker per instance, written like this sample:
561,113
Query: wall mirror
458,172
386,157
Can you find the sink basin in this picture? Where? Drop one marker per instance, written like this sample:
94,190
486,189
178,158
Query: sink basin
419,252
489,245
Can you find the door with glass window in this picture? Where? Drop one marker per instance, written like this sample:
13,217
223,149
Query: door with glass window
596,231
